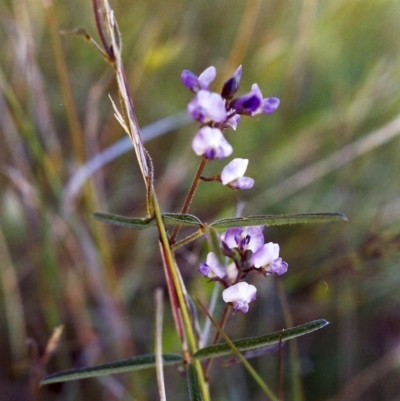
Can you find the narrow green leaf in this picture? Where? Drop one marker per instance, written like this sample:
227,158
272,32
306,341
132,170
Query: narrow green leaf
278,220
131,222
252,343
125,365
193,383
181,219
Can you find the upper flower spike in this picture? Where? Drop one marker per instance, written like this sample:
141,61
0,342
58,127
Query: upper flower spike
195,83
252,103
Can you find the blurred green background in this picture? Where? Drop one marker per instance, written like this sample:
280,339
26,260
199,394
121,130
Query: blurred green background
332,145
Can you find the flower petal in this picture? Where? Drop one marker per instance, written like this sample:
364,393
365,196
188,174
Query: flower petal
233,170
269,105
190,80
265,255
212,268
206,107
231,86
206,77
210,143
240,294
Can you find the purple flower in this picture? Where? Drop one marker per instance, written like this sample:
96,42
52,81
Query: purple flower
240,294
210,143
252,103
207,107
232,175
231,86
212,268
195,83
267,258
244,238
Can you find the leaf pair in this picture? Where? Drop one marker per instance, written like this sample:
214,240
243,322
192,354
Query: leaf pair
213,351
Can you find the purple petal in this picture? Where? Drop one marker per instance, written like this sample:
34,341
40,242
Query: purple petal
278,266
190,80
269,105
246,238
231,86
242,183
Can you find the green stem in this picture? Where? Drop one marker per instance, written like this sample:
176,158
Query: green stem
172,267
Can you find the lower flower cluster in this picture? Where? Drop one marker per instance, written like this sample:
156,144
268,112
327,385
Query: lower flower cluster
245,247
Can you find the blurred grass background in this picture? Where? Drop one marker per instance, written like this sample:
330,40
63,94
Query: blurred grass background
330,147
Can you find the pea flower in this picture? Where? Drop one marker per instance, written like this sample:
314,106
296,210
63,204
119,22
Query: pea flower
210,143
240,294
207,107
232,175
267,258
243,238
252,103
195,83
212,268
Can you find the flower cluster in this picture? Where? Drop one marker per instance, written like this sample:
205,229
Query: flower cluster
246,247
218,112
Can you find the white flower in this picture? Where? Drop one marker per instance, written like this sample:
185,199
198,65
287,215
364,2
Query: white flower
232,175
240,294
267,258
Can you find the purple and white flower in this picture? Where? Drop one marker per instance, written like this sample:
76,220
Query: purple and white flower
243,238
195,83
212,268
240,295
232,175
210,143
207,107
252,103
267,258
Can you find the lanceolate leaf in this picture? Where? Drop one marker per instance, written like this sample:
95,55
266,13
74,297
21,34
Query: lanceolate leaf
134,222
278,220
193,383
248,344
125,365
138,223
181,219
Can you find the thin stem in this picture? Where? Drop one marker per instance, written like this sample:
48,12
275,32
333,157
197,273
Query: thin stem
158,297
297,387
190,195
170,264
222,323
264,387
